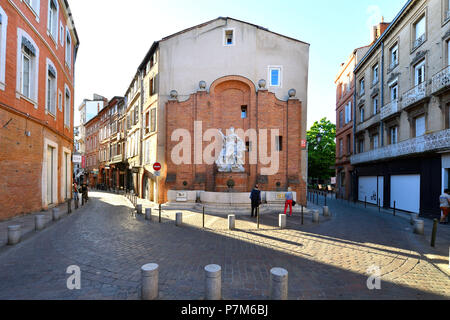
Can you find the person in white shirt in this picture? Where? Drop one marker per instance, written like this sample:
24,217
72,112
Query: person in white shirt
444,200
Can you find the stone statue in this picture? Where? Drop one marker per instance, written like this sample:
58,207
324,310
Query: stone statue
232,156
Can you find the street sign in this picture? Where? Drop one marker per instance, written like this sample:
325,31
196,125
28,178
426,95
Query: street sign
157,166
157,173
76,158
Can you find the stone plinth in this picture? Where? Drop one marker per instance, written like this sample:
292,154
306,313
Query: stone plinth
240,181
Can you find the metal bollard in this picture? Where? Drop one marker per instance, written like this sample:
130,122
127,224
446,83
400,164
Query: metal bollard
69,206
39,222
231,222
159,213
365,202
419,227
14,234
315,216
203,217
302,214
55,214
257,217
394,208
213,282
149,274
326,211
139,208
179,219
148,214
282,221
278,284
433,234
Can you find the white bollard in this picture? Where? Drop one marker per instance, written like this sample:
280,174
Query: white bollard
55,214
148,214
213,282
179,219
315,216
326,211
282,221
278,284
419,226
139,208
231,222
150,275
39,222
414,216
14,234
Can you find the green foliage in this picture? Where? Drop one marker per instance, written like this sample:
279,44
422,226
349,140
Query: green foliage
321,155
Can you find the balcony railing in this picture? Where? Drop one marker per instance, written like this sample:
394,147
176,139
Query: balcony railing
436,141
366,124
390,109
417,93
419,41
447,16
441,80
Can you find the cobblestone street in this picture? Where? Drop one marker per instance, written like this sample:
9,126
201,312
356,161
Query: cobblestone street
325,261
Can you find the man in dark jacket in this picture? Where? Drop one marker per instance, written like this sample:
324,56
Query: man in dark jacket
255,196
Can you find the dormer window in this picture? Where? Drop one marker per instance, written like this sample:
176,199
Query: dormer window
229,37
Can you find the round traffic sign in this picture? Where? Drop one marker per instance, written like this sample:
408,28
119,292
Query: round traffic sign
157,166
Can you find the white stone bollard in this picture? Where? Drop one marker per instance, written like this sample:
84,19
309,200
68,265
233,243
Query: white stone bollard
39,222
278,284
14,234
179,219
148,214
282,221
315,216
419,226
231,222
213,282
139,208
150,287
414,216
55,214
326,211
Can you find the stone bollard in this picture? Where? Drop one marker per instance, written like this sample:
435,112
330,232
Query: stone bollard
139,208
55,214
39,222
278,284
14,234
414,216
282,221
179,219
149,273
315,216
231,222
148,214
213,282
326,211
419,227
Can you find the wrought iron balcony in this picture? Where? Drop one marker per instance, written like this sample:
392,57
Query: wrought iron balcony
441,80
390,109
419,41
437,141
415,94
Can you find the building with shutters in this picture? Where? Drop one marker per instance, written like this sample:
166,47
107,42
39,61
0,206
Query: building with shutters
38,49
402,132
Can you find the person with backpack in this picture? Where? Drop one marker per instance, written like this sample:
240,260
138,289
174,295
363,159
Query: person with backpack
255,196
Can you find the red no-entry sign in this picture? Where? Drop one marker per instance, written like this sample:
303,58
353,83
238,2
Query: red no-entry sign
157,166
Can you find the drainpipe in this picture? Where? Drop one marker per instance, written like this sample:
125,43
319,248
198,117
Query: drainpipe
382,93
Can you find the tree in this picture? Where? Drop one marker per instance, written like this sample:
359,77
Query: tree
321,154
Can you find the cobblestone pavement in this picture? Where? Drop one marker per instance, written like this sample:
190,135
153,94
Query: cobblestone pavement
325,261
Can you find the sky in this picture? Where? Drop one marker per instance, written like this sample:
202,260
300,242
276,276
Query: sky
114,37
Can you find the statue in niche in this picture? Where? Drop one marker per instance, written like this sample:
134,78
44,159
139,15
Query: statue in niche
232,156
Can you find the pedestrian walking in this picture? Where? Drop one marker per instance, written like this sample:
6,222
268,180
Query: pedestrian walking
444,200
75,192
289,201
84,192
255,196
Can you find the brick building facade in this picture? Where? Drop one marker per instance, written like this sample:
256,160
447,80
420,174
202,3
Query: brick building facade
38,47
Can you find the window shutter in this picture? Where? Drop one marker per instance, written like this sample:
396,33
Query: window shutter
156,83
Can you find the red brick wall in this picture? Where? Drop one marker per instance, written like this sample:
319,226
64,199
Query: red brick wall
221,109
22,156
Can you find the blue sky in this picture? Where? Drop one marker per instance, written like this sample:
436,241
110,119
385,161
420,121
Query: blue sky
115,38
